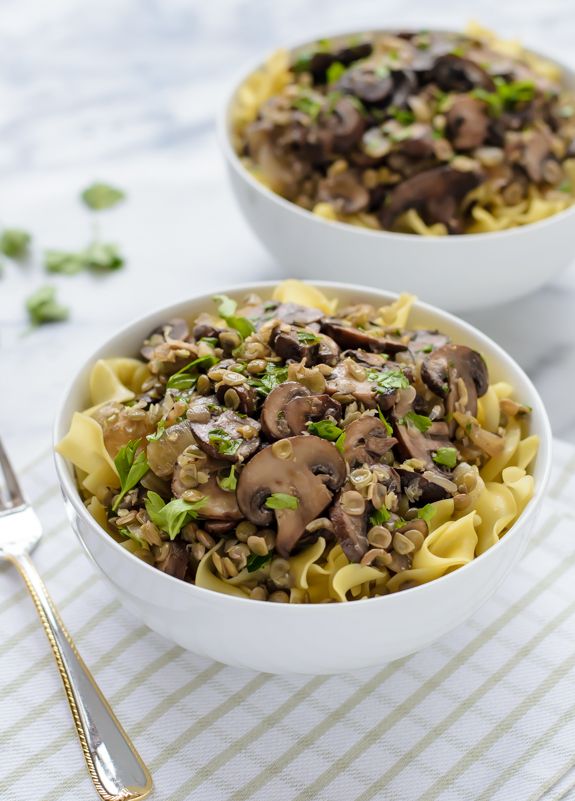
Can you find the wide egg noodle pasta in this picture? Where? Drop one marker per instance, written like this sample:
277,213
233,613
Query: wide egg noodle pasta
209,581
526,451
492,470
351,577
450,546
488,411
318,579
302,294
84,446
497,509
301,563
258,87
521,485
116,380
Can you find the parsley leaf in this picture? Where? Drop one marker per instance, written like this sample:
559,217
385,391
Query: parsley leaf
100,196
226,306
426,512
272,378
403,115
308,338
43,307
388,428
14,243
325,429
183,380
419,421
131,466
227,310
171,517
379,517
388,379
161,427
281,500
223,442
340,442
335,71
445,456
102,257
229,482
255,561
64,262
308,105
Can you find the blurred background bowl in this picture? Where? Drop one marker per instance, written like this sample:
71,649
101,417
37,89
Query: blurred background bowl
303,638
460,272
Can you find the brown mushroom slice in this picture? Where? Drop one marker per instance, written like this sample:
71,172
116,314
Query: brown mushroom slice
467,123
441,370
273,414
328,352
297,344
119,427
350,531
226,436
368,85
174,559
375,360
240,398
305,409
344,192
436,194
341,382
366,442
176,328
427,341
290,313
535,154
457,74
217,504
207,325
414,444
347,336
346,123
162,453
418,489
313,471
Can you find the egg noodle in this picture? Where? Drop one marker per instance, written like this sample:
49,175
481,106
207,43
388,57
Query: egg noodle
321,571
488,211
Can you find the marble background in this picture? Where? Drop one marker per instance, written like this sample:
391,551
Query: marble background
126,91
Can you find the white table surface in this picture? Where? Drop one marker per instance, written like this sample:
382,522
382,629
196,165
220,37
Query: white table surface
126,91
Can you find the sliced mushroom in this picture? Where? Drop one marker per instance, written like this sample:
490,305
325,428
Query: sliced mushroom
290,313
328,352
456,74
419,490
296,344
273,414
312,473
320,61
175,560
346,123
427,341
436,194
241,398
375,360
366,442
344,192
414,444
207,325
228,436
441,370
162,453
350,530
305,409
367,84
341,382
349,337
535,154
467,123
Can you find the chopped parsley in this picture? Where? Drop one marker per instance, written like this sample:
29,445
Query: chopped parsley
100,196
229,482
506,95
380,516
171,517
255,561
161,427
340,442
426,512
99,256
308,105
43,307
223,442
326,430
308,337
14,243
227,310
335,71
388,379
132,466
281,500
183,379
419,421
272,378
381,416
403,115
566,186
446,457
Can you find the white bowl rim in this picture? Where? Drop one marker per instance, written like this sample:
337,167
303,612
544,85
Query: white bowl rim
71,493
223,135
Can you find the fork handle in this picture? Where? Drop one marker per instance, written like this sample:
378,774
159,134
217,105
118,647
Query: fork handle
114,764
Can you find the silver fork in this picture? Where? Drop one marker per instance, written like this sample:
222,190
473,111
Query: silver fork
114,765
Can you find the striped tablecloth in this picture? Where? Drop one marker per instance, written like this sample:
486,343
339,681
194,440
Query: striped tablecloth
486,714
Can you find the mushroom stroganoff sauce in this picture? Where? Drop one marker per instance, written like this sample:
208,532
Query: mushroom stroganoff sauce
286,450
418,132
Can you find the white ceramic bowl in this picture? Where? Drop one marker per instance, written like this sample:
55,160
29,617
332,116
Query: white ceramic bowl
281,638
456,272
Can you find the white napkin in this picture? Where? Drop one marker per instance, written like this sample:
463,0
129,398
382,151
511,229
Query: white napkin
486,714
